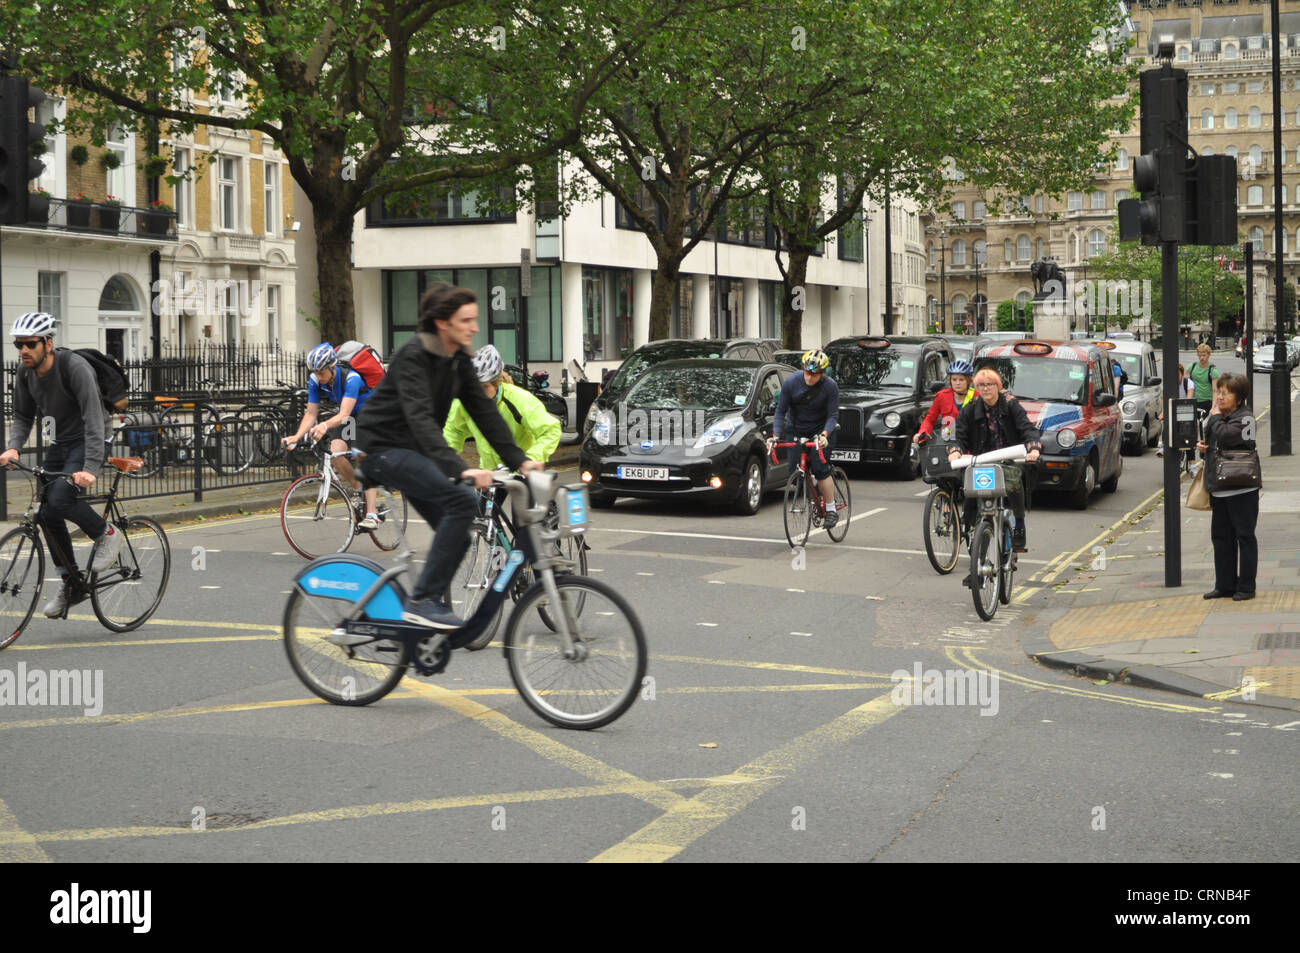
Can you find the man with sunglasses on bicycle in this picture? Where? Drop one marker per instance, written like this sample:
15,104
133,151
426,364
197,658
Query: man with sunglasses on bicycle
993,422
66,397
401,432
809,406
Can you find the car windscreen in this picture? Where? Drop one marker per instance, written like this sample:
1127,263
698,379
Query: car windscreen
639,361
1132,364
1041,378
693,388
871,369
960,351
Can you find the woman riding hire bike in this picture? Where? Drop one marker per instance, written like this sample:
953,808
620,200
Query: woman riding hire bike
948,403
534,429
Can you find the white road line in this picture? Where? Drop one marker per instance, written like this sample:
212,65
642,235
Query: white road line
708,625
878,509
922,493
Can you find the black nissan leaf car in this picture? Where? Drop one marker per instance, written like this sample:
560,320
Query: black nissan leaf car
688,428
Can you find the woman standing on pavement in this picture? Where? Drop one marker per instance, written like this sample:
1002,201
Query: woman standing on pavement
1234,511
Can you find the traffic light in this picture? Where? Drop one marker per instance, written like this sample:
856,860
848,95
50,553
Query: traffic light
1212,202
18,163
1160,174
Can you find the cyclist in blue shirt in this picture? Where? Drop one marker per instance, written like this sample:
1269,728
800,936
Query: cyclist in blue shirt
349,393
809,406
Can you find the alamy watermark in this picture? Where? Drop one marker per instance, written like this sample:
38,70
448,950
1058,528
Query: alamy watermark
1100,298
658,428
63,688
952,687
209,297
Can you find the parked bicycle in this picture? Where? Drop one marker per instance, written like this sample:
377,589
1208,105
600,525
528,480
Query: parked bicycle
168,436
123,596
320,513
493,536
804,506
941,523
575,649
992,557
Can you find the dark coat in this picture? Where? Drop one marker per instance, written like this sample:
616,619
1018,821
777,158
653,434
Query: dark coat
1013,426
1226,433
410,406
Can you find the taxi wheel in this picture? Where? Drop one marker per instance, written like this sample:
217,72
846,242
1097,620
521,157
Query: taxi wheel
1111,485
1079,498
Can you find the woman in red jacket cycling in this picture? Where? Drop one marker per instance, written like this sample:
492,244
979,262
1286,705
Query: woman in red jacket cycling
948,403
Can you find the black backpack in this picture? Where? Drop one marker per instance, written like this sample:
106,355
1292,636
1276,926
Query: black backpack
109,375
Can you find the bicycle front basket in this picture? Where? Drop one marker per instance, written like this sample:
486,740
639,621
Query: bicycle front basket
934,462
985,481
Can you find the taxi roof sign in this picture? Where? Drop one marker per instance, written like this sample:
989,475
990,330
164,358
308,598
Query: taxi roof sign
873,342
1032,347
1105,345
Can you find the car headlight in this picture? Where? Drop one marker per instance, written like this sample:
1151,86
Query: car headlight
1130,408
893,419
720,431
602,426
1066,438
592,411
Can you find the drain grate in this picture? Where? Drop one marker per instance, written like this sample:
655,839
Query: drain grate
1279,640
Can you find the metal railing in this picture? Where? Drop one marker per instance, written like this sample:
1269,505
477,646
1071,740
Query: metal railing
101,218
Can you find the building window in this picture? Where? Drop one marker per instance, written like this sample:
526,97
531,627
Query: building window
1256,117
1074,201
227,195
1254,85
184,188
1208,151
1230,151
1257,239
934,257
1120,195
1184,54
1121,159
1257,156
1022,248
959,211
1255,195
120,181
1230,89
958,252
273,315
445,203
1008,251
849,245
272,204
230,313
981,250
1229,52
1096,243
1230,118
1207,119
49,293
958,308
1038,204
1039,248
981,210
1098,200
1207,89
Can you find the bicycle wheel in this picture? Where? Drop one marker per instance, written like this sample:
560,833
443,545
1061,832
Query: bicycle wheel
471,583
1006,569
941,530
316,523
984,565
599,680
342,675
842,501
798,510
22,571
236,445
572,549
391,507
128,592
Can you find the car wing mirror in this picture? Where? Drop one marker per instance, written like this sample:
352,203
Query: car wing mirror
1103,399
1153,382
935,387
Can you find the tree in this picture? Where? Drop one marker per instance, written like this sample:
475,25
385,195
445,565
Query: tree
1007,316
364,98
941,94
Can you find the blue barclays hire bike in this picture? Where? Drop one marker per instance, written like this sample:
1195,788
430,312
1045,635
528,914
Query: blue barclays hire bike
575,649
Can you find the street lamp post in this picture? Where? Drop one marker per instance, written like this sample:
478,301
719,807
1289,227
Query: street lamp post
866,245
978,304
943,290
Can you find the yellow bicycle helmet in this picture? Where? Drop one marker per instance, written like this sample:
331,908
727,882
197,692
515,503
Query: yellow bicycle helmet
815,361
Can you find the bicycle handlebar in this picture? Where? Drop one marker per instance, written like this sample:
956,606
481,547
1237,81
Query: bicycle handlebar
810,442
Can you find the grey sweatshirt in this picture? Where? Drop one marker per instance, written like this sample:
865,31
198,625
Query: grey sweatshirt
76,416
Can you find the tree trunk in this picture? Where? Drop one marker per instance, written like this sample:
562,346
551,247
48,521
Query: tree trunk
663,285
796,298
334,276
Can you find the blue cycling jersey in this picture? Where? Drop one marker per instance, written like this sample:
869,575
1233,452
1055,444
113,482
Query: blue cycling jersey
354,386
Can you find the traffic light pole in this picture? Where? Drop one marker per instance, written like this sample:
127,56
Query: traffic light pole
1280,392
1169,361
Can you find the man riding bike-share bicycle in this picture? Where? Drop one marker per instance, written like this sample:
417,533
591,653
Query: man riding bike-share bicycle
808,407
80,425
993,422
401,432
349,392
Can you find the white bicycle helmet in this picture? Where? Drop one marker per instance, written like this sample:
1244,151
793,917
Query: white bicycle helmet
321,357
488,364
33,324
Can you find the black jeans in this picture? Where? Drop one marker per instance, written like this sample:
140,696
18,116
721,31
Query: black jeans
64,501
447,507
1232,531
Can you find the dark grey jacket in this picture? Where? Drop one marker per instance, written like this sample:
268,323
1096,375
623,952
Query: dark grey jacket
76,415
409,408
1227,433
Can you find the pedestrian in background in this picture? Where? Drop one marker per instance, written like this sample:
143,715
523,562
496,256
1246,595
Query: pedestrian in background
1234,510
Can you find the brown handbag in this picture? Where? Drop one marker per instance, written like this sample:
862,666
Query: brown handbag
1237,470
1197,496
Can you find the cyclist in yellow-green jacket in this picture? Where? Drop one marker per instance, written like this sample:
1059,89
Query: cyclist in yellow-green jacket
535,431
